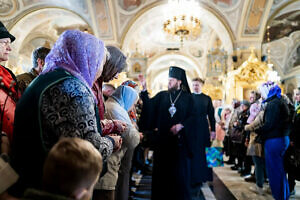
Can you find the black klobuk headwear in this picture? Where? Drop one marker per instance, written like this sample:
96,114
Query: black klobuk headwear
4,33
179,73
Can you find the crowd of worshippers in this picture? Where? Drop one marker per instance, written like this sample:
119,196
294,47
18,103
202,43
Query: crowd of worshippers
263,133
67,134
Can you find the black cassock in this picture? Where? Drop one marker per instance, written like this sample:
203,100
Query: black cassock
204,111
171,167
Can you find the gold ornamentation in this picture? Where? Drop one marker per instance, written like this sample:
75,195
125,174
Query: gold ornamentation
217,62
252,70
215,92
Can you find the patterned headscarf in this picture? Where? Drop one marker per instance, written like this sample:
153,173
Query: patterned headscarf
125,96
130,83
270,89
78,53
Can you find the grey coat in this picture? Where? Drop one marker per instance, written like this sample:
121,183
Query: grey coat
130,137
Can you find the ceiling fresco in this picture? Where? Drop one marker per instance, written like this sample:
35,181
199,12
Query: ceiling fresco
137,25
130,5
254,17
103,19
284,25
8,7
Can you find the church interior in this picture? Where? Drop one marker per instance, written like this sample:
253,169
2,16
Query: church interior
234,45
238,45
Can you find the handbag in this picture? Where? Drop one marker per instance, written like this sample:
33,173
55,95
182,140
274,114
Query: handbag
214,156
236,135
254,148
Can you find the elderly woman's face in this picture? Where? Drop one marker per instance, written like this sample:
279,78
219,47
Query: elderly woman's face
252,98
4,49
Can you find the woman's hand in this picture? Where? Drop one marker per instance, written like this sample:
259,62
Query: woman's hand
118,141
141,136
120,126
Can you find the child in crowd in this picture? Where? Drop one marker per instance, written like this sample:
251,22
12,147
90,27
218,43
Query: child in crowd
70,172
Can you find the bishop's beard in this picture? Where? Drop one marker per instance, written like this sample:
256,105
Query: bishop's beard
174,88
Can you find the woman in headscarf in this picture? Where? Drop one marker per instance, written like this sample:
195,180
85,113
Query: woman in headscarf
111,70
60,103
117,107
274,134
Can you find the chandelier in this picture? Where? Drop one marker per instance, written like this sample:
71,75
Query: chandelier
183,28
183,24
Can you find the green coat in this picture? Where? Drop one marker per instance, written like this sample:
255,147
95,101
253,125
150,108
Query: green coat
28,148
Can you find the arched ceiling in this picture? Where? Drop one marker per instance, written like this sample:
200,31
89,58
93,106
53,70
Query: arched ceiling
32,33
146,36
238,24
147,30
284,32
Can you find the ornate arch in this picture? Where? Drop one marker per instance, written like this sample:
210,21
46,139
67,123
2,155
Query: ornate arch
36,23
146,9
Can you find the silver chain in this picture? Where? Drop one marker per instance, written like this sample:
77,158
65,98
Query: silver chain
173,103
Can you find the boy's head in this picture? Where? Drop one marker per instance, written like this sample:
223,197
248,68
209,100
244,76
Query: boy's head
197,85
72,168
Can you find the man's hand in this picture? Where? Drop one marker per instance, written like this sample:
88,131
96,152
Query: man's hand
176,128
173,129
142,80
212,135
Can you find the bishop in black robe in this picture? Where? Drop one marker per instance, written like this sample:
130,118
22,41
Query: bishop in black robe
172,152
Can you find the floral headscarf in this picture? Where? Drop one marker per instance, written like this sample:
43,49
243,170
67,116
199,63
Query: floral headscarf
130,83
79,53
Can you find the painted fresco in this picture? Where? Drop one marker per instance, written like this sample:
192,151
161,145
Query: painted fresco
102,17
254,17
7,7
129,5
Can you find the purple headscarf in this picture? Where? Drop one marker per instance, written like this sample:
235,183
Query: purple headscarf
78,53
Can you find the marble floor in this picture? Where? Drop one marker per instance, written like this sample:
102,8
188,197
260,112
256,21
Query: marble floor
227,185
240,188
